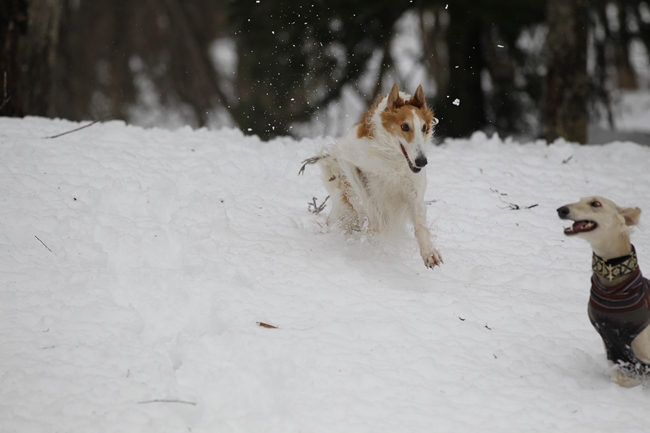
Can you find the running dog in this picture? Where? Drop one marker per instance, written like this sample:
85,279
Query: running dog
619,306
375,175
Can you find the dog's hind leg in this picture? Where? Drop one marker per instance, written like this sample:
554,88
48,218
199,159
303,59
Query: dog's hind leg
339,189
641,345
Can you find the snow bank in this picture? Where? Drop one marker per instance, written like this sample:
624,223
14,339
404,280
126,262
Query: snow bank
136,265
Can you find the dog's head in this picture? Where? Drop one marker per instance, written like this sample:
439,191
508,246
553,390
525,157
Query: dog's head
598,220
404,123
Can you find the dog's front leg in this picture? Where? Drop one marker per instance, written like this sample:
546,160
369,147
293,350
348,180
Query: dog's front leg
429,254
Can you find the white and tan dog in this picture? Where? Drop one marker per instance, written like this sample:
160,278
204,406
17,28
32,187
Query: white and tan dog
619,305
375,174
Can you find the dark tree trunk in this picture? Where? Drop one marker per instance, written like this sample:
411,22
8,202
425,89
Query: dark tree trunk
624,71
38,58
434,44
566,82
13,25
465,65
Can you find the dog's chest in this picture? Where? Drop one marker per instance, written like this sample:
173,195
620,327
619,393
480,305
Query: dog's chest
401,188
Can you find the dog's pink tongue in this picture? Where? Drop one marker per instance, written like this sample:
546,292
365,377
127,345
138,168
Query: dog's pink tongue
580,225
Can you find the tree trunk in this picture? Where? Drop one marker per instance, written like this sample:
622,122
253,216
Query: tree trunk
38,54
434,45
13,24
624,71
461,118
566,81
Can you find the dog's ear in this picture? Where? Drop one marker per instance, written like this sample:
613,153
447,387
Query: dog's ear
394,101
631,215
418,99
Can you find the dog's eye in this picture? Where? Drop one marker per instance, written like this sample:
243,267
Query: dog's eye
595,204
405,127
424,128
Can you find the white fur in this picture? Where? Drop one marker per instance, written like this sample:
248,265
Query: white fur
372,187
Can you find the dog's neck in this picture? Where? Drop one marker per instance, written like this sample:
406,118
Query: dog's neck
612,271
612,246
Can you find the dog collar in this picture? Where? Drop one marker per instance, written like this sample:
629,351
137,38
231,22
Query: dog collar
616,267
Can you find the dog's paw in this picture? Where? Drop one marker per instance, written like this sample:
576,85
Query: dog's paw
627,380
432,259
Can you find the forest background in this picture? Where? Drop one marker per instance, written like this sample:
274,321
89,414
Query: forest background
529,68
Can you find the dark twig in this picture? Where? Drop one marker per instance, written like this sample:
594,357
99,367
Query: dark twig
512,206
48,248
564,161
167,401
312,160
83,127
314,207
266,325
497,191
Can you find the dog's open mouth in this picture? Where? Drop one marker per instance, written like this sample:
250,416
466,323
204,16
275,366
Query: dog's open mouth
580,227
412,166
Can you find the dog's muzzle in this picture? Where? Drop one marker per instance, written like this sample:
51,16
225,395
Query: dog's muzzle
563,212
578,226
420,161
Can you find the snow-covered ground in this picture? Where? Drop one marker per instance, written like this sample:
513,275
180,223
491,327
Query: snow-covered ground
136,265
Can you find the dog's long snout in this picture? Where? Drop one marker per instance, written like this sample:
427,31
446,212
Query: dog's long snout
563,212
421,161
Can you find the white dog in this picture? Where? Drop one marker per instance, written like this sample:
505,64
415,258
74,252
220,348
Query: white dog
619,305
375,174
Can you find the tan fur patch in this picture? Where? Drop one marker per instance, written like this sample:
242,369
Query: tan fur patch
365,127
345,187
392,121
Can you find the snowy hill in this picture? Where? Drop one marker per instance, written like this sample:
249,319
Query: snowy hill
136,265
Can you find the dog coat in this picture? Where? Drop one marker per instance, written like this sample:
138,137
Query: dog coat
619,314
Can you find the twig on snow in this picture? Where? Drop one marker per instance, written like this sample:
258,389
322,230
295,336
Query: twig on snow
266,325
48,248
316,208
309,161
512,206
564,161
82,127
167,401
497,191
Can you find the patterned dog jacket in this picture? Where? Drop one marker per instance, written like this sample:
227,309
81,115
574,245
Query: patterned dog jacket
619,314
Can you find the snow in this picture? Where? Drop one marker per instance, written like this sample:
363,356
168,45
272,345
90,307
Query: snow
136,265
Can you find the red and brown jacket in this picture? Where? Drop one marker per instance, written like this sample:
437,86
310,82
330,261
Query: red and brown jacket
619,314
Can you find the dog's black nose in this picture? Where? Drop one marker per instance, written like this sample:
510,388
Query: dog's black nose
563,212
421,161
